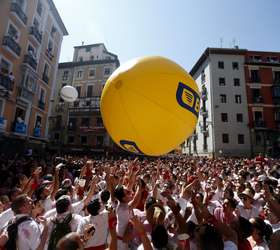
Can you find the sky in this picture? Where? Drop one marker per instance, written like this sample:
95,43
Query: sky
177,29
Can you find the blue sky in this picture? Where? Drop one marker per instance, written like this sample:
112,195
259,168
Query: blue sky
177,29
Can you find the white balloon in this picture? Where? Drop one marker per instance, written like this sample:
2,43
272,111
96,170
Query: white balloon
69,93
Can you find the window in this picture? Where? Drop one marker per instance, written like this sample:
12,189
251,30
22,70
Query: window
99,140
99,122
56,136
258,139
65,75
91,73
89,91
85,122
42,95
202,76
46,70
5,66
39,8
72,123
38,121
277,77
107,71
78,88
240,138
220,65
53,31
76,104
225,138
50,46
276,115
13,33
91,58
222,81
224,117
83,139
276,91
255,76
236,82
36,23
80,74
88,49
80,58
88,103
256,95
237,98
235,66
239,117
70,139
223,98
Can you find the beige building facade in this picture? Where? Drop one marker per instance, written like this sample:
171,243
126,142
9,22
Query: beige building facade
31,33
78,126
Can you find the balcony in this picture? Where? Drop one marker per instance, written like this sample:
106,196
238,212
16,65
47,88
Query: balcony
25,93
45,78
257,99
49,54
28,59
16,8
37,132
255,79
3,124
10,43
19,128
36,33
6,82
41,104
259,124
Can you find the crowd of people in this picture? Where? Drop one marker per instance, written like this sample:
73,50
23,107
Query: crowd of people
193,203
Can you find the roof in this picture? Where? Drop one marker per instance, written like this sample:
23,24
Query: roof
90,45
221,51
58,18
75,64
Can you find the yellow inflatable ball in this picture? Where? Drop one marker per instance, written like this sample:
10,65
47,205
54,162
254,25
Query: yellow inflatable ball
150,105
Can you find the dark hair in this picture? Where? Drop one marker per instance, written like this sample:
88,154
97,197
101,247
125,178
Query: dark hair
105,196
93,207
62,205
13,192
159,236
119,192
60,192
209,238
68,242
18,203
264,229
232,203
245,228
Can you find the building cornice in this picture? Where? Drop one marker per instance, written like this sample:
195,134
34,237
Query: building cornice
94,62
57,17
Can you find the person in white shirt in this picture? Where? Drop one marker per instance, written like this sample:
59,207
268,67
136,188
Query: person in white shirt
29,235
246,209
63,209
100,221
123,212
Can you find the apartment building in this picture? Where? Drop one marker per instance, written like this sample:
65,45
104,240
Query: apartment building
240,93
262,75
78,126
31,33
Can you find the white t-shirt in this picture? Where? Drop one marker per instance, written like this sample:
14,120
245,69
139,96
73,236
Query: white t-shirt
75,223
29,234
48,204
101,225
248,213
5,217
